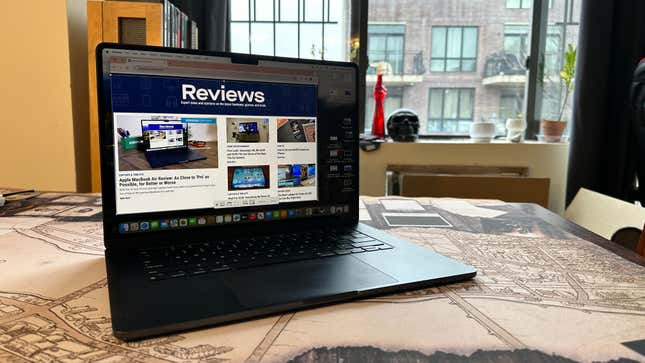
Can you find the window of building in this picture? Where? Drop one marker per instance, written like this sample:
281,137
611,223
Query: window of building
313,29
454,49
450,110
386,48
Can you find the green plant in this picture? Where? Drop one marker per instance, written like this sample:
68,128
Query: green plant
567,74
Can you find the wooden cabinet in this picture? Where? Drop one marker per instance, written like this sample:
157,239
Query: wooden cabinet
117,22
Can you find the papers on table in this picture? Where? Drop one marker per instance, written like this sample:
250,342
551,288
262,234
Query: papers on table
465,209
402,205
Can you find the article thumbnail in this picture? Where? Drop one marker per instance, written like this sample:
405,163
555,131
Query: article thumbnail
296,130
146,143
296,175
248,177
247,130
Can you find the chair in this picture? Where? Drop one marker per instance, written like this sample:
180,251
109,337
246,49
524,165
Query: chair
608,217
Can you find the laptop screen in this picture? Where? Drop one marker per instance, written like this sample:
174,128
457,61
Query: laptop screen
243,142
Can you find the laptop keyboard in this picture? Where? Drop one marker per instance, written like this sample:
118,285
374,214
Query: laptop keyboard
217,256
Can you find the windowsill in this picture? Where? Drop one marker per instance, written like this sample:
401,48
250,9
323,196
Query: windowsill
544,160
468,141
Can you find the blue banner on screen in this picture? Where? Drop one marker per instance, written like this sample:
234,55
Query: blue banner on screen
199,96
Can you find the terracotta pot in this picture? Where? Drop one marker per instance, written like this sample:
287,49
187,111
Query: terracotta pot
553,130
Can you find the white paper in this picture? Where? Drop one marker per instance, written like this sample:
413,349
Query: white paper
402,205
465,209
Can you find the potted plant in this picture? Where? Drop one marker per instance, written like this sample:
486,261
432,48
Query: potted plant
553,129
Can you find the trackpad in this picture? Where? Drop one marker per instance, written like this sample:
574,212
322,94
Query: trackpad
304,280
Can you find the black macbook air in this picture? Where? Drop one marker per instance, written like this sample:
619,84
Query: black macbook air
166,143
256,228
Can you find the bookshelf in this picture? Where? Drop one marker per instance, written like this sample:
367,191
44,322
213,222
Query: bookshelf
158,23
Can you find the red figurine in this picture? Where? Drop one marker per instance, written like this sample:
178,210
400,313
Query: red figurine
378,122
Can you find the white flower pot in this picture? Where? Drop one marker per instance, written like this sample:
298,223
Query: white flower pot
482,131
515,128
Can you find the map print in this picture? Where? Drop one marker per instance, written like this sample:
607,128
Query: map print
540,295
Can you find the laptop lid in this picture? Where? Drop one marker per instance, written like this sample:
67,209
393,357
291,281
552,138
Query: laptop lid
280,138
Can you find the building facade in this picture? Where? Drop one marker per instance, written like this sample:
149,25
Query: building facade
457,61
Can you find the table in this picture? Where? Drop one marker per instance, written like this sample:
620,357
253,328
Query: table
546,290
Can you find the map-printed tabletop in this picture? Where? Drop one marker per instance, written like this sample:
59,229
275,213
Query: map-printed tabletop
541,295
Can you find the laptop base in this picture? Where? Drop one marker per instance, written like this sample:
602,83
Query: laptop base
158,159
142,308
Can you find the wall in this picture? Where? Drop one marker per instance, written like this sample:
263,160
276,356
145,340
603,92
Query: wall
543,160
37,150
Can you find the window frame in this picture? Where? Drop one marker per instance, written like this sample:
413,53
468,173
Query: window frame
461,58
443,118
277,19
358,34
388,35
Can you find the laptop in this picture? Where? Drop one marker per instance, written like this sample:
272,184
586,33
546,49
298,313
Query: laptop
259,228
166,143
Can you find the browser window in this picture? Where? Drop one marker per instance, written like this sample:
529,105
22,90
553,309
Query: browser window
254,129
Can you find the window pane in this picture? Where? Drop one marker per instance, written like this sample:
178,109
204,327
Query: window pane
437,65
262,38
335,12
240,37
466,105
239,10
376,45
512,44
311,41
453,65
263,10
512,4
450,100
313,10
468,65
436,99
335,44
470,43
438,42
286,40
561,32
394,56
288,10
454,43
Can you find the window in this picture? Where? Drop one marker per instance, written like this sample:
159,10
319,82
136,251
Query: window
450,110
385,47
313,29
516,42
454,49
393,101
522,4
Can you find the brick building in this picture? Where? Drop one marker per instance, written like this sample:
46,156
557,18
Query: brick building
455,61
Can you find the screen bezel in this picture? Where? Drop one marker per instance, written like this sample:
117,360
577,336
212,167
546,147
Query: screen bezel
113,239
